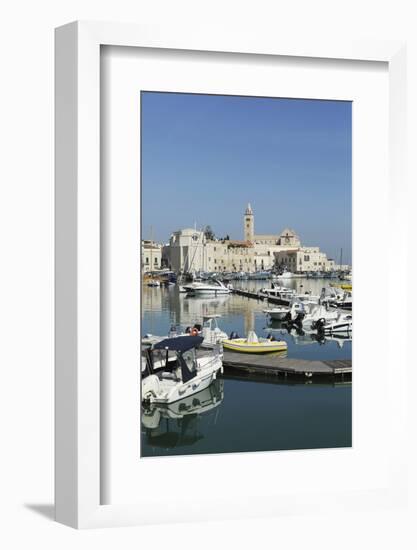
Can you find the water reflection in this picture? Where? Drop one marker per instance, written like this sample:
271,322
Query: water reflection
245,413
177,425
164,307
302,338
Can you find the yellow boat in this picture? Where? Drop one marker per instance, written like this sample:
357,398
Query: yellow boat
343,286
252,344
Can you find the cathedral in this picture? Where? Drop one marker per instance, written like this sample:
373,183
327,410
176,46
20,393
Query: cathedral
190,250
287,238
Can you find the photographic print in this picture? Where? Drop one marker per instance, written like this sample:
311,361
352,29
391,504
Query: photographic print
246,274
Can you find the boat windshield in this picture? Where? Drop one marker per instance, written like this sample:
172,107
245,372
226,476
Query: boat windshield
188,364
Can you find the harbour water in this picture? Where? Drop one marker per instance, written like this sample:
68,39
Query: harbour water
239,413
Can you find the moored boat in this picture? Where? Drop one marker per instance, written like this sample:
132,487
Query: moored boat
214,287
179,374
253,344
278,313
343,323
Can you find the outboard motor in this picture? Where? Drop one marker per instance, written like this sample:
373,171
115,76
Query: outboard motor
299,319
319,325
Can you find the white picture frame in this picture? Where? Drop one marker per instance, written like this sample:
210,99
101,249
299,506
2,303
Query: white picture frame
78,426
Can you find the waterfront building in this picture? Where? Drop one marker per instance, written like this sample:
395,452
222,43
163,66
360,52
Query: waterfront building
190,250
304,259
186,251
151,256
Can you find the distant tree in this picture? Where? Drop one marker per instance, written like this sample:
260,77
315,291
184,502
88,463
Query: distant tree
209,234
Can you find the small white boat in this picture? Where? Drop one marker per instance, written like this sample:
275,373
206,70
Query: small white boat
317,315
285,275
153,282
179,374
307,298
345,302
213,287
211,331
304,314
277,291
343,323
278,313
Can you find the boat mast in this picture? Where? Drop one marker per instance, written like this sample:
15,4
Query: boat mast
195,248
151,249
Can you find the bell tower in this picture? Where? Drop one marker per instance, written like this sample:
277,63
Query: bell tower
248,224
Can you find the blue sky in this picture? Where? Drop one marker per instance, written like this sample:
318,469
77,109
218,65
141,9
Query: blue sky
205,157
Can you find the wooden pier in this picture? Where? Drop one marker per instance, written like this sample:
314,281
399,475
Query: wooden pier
279,365
258,296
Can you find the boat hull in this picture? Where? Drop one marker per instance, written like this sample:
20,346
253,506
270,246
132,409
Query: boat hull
195,385
242,346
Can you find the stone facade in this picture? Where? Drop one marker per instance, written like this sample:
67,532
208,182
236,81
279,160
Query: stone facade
189,250
304,259
151,256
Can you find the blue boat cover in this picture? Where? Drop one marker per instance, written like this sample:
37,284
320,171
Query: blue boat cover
180,343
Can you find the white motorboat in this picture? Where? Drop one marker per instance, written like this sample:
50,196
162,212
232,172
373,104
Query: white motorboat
295,312
278,313
277,291
345,302
343,323
153,282
307,298
318,313
306,314
211,331
284,275
180,373
213,287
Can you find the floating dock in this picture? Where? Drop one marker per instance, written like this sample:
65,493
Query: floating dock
275,365
258,296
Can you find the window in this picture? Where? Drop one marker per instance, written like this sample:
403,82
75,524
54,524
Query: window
147,260
306,258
